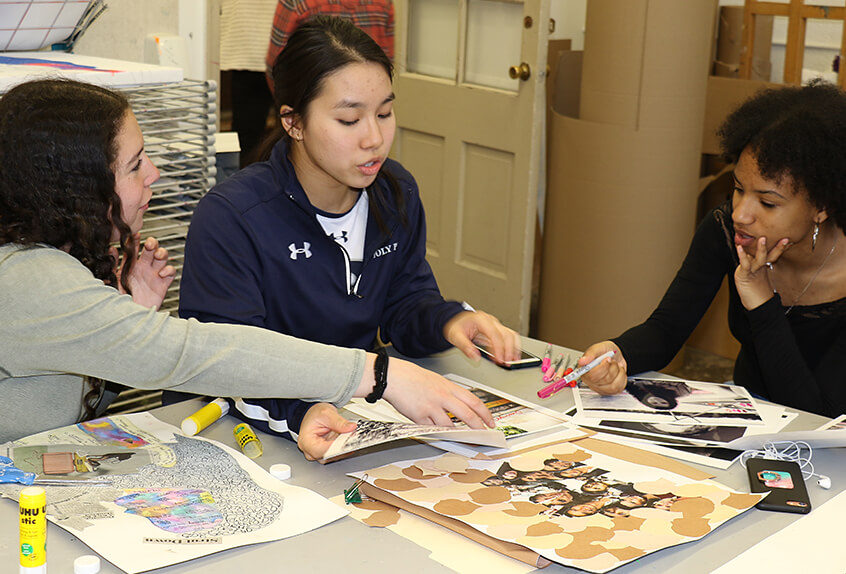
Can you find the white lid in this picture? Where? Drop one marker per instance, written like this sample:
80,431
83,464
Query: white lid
87,564
281,471
189,427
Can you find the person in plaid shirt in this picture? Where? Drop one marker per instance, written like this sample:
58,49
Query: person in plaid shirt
375,17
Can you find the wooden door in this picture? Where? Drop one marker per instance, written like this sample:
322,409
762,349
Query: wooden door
471,136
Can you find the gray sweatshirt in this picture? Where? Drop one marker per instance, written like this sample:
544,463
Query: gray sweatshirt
59,323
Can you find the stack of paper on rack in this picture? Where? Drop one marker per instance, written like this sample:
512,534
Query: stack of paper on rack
191,497
691,420
524,425
579,504
18,67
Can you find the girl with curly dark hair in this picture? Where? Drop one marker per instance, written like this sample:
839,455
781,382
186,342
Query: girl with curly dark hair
74,180
780,241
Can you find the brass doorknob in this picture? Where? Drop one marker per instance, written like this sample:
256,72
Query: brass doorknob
523,71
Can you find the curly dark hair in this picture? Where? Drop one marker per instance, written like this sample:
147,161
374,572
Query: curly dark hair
797,132
57,147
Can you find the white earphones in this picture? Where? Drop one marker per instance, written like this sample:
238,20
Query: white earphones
799,452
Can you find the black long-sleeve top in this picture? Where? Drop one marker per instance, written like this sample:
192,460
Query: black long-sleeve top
798,359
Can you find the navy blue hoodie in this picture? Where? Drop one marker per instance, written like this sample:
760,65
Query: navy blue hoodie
257,255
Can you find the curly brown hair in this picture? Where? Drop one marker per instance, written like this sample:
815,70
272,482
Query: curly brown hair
57,148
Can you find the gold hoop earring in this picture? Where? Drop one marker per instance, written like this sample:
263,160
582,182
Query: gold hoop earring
814,236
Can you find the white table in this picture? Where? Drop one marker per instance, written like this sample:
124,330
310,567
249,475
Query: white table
347,546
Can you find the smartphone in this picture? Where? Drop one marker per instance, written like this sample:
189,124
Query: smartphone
783,480
526,359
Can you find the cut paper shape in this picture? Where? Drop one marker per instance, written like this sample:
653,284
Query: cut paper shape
586,513
105,431
454,551
447,464
174,510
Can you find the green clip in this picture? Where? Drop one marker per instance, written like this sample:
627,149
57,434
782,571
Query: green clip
352,494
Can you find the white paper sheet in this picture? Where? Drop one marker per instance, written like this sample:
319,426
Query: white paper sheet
671,400
199,498
717,455
371,433
835,424
535,421
813,543
815,438
18,67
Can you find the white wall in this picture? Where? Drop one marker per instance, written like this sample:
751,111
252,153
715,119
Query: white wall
120,32
569,16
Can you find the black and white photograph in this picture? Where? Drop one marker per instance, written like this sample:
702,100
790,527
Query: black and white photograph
683,402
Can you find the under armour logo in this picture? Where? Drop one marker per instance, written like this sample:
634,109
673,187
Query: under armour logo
342,237
304,250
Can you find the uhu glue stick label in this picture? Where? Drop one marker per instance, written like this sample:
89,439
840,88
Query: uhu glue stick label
33,530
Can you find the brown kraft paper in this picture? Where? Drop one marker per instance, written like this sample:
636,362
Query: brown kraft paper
509,549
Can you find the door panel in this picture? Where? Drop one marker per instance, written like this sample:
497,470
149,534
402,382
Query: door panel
424,158
485,204
471,137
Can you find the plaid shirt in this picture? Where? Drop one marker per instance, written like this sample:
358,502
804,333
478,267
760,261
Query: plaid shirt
375,17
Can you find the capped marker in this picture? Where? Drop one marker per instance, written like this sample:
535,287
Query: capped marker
563,370
547,358
577,374
550,372
564,374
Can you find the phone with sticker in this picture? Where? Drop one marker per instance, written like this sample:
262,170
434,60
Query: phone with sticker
783,480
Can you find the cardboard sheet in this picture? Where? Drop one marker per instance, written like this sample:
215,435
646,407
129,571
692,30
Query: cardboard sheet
639,456
632,193
574,506
457,552
624,175
511,550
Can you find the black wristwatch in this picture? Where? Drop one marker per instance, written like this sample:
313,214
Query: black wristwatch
380,373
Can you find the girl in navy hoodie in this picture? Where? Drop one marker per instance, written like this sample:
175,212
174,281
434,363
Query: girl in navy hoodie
326,240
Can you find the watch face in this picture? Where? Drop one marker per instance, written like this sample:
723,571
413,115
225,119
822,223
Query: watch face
776,479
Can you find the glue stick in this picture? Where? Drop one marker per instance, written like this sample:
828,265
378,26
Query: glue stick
247,440
204,417
33,529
